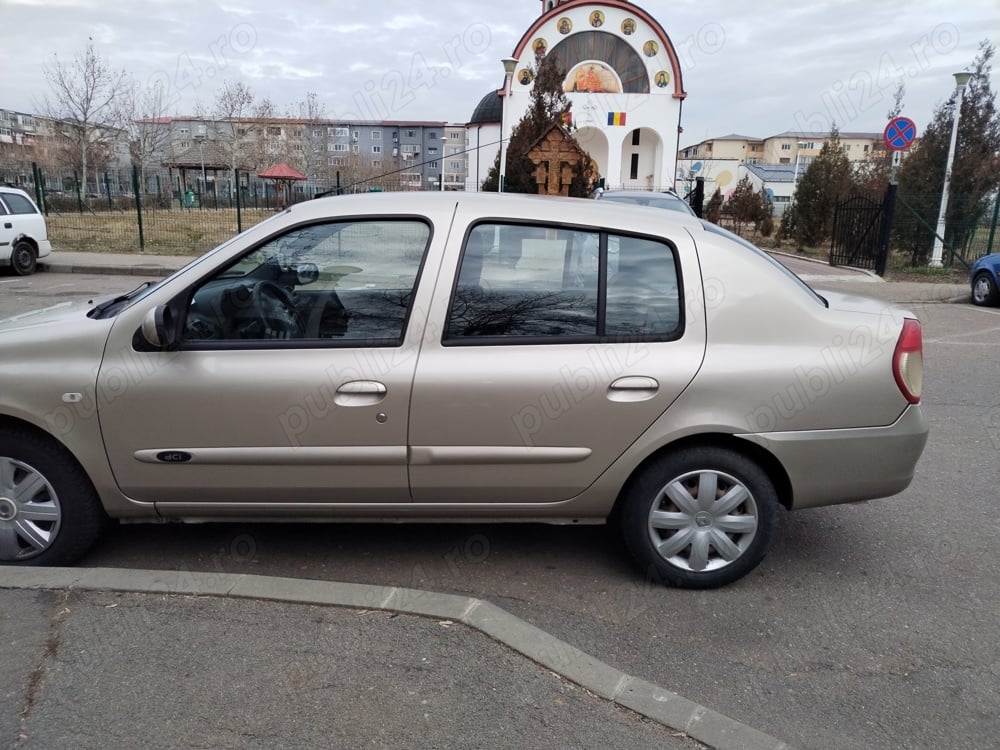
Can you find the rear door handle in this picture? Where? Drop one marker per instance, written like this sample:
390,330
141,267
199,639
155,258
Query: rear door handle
633,388
360,393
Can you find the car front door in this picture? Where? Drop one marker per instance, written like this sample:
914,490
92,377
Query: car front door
554,350
291,383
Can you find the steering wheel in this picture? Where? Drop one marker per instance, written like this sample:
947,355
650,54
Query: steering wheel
276,311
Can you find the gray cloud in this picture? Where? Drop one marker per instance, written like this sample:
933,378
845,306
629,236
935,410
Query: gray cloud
755,68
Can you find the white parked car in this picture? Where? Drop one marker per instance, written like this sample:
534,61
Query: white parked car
23,236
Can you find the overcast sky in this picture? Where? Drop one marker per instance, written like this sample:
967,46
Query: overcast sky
755,68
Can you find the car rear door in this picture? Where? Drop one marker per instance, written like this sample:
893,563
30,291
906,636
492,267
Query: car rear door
550,351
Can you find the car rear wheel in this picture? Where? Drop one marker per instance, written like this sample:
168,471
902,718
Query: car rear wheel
23,258
984,290
700,518
49,511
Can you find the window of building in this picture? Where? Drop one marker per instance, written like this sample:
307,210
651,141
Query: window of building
432,149
432,164
410,133
376,149
273,130
866,148
184,144
635,137
336,147
337,161
356,134
455,165
410,148
376,163
786,146
355,149
184,131
432,136
534,282
633,170
317,132
376,135
753,160
338,132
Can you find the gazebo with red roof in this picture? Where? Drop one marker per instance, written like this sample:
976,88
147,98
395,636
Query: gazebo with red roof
282,173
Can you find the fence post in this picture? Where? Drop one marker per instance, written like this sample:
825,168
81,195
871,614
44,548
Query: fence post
138,206
180,193
239,212
159,193
885,231
36,175
107,188
79,198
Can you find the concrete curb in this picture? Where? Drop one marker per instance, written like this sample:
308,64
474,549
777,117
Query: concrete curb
107,270
649,700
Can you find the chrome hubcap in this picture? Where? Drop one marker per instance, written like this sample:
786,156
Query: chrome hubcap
703,520
29,511
982,289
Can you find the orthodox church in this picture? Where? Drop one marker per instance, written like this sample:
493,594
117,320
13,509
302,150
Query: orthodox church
623,79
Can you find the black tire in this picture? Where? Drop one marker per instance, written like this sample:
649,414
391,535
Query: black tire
43,485
23,258
671,548
984,290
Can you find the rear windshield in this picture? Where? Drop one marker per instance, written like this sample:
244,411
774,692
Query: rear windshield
715,229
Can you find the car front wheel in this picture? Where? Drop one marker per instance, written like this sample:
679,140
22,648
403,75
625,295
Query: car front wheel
49,511
984,290
23,258
700,518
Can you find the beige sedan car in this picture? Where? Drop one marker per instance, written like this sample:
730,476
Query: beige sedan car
471,357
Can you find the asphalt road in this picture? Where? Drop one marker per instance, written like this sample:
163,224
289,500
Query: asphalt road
874,625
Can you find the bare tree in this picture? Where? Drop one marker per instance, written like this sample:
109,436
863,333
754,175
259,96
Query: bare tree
232,108
143,114
84,95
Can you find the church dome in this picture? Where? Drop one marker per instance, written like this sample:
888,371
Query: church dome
489,109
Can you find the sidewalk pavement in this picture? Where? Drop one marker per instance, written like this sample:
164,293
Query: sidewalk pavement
100,657
815,272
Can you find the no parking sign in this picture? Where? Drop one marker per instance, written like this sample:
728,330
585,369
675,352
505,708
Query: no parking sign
900,133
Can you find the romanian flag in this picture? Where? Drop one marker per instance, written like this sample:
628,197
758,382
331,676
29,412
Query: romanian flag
616,118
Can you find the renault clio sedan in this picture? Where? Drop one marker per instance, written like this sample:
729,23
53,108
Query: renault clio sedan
470,357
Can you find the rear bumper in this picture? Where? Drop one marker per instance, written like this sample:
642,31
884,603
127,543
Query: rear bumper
44,248
827,467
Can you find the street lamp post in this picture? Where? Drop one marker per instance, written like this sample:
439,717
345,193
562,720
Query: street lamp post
936,254
444,140
795,178
509,64
201,151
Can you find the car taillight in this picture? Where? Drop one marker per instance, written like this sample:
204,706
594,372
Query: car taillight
908,361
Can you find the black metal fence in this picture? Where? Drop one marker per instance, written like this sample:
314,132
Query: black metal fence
165,212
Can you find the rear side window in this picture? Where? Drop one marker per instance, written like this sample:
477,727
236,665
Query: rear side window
18,204
538,284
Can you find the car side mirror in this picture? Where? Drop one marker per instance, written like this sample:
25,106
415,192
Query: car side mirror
305,273
159,328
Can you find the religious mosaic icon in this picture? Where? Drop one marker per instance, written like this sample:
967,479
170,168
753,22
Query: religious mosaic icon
628,26
592,77
525,77
565,25
650,48
597,19
662,79
540,46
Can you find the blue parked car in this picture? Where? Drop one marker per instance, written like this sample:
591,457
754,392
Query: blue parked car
985,279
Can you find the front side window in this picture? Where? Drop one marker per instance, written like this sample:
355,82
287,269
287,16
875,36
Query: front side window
558,285
335,283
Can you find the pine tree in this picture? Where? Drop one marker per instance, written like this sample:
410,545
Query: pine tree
713,211
745,205
809,220
549,106
974,172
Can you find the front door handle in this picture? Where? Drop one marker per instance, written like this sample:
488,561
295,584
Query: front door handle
8,225
360,393
633,388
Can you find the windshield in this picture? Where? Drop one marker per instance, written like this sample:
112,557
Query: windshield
195,261
716,229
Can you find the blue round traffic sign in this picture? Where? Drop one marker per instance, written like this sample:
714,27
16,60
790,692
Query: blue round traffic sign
900,133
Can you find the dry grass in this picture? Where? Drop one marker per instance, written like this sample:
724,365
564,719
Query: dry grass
166,232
